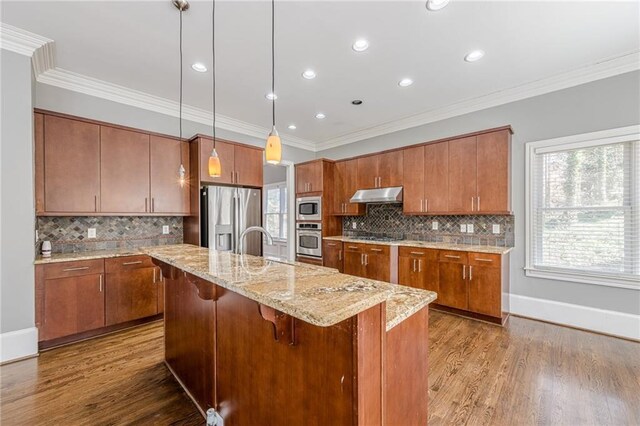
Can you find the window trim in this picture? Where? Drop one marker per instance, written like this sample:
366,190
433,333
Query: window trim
617,135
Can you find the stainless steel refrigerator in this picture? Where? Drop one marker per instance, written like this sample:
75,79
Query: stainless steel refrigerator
225,213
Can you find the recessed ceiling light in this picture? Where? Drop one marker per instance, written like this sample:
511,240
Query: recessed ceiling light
405,82
292,127
320,116
360,45
356,102
199,67
474,55
309,74
434,5
271,96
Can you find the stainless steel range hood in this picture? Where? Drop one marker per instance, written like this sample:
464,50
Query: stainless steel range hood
378,195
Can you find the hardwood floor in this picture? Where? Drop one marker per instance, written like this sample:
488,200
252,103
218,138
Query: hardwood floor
526,373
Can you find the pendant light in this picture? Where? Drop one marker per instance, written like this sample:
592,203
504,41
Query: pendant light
181,5
215,168
273,150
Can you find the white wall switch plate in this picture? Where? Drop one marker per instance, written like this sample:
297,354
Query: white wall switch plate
165,229
354,225
434,225
463,228
470,228
495,228
91,233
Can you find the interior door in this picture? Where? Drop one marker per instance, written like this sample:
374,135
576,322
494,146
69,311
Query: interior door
462,175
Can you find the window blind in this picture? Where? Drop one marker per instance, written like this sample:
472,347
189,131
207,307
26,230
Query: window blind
585,209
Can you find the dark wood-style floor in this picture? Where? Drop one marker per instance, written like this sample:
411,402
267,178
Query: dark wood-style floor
526,373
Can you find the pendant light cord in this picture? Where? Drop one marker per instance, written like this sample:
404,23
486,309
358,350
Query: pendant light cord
213,71
273,66
180,113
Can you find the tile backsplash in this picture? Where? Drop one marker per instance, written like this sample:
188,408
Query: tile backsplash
68,234
389,221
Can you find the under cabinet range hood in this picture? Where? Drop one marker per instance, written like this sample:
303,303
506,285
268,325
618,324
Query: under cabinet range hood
378,195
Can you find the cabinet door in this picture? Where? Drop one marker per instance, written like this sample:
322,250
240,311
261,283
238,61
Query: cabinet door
462,175
390,169
167,196
160,292
453,285
124,171
485,291
72,305
346,184
493,172
131,295
38,139
377,265
367,172
248,166
309,177
353,260
339,188
226,153
418,268
71,165
436,178
413,180
332,255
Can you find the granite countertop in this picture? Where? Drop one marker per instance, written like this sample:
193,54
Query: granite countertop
426,244
315,294
86,255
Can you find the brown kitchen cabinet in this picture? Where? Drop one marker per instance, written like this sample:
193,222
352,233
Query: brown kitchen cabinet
249,166
166,155
309,177
452,283
240,164
380,170
38,138
462,175
345,185
368,261
494,171
70,166
354,259
426,179
333,255
418,267
485,284
131,289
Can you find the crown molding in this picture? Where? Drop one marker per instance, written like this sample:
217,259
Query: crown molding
606,68
40,49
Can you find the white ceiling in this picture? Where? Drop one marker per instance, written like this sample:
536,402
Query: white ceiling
135,44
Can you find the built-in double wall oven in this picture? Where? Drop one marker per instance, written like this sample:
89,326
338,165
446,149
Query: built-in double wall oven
309,239
309,208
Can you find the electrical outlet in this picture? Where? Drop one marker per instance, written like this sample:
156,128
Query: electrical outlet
470,228
91,233
354,225
463,228
434,225
495,228
165,229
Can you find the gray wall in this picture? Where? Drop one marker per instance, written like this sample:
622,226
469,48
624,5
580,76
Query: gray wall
274,174
17,210
600,105
70,102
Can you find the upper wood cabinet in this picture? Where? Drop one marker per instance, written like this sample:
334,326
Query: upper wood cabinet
345,185
462,175
124,171
426,179
309,177
71,166
240,164
494,171
380,170
89,168
167,195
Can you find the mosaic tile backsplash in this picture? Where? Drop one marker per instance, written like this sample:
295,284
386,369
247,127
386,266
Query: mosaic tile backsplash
68,234
387,220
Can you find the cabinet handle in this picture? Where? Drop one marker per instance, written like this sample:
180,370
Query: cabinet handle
95,203
450,256
145,204
413,267
310,186
237,177
154,275
366,259
100,283
472,204
419,253
484,260
161,277
232,176
478,205
421,209
137,262
426,205
352,247
80,268
470,273
362,259
376,249
464,272
331,244
419,265
340,255
153,204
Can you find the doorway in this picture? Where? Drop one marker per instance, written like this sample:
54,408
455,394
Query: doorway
277,202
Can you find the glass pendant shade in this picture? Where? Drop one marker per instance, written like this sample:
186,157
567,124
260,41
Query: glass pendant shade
181,174
215,169
273,151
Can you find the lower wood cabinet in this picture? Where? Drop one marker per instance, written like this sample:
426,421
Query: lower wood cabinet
333,255
452,271
418,268
368,261
82,298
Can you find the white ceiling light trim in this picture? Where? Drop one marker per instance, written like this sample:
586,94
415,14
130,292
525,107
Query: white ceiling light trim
604,69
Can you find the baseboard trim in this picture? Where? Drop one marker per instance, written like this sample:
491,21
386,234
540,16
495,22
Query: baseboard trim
602,321
19,344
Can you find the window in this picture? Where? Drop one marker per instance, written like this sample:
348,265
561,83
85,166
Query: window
275,210
583,218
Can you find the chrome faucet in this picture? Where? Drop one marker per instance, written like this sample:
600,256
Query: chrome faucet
252,229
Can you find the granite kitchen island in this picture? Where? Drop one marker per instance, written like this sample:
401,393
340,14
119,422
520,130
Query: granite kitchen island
271,343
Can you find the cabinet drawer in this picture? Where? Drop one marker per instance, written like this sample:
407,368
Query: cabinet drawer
453,256
74,269
127,263
370,248
330,243
422,253
484,259
353,247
